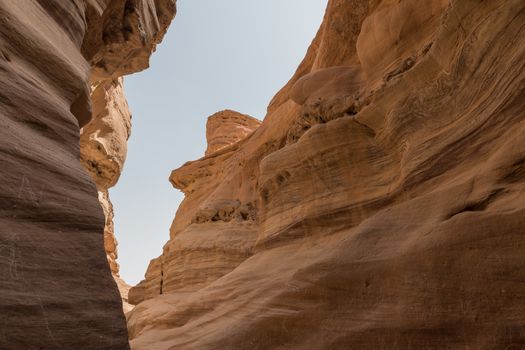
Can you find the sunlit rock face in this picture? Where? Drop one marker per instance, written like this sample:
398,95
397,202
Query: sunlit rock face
57,290
103,149
122,42
226,128
216,226
379,205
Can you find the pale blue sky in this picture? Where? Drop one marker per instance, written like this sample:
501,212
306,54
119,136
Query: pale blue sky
228,54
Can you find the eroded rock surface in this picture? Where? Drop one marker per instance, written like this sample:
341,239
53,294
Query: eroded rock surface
103,150
216,225
57,290
228,127
385,195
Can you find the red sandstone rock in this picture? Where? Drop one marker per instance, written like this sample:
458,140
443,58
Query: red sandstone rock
57,291
386,186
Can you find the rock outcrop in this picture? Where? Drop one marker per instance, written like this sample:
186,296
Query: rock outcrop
379,205
57,291
226,128
103,149
216,226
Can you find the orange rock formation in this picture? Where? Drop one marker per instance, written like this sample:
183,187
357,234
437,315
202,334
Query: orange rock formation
379,205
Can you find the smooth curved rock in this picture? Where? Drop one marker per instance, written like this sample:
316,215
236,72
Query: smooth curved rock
57,290
393,220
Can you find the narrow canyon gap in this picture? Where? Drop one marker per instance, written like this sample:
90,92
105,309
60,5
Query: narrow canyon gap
217,55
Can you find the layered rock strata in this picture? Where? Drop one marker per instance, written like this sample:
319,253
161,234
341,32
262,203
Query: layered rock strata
385,195
57,291
216,226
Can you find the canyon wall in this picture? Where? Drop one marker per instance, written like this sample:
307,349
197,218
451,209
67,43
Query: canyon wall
57,290
103,149
379,205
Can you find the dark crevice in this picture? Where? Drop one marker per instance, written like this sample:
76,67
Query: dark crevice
405,66
5,55
4,100
352,110
478,206
161,278
81,107
516,172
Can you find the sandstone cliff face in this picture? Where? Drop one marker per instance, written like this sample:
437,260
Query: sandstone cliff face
379,205
57,291
216,225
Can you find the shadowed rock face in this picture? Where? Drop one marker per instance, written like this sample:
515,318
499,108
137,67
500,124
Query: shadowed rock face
57,291
385,195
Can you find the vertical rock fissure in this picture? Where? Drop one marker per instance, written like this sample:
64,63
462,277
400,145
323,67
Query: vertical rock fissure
161,278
